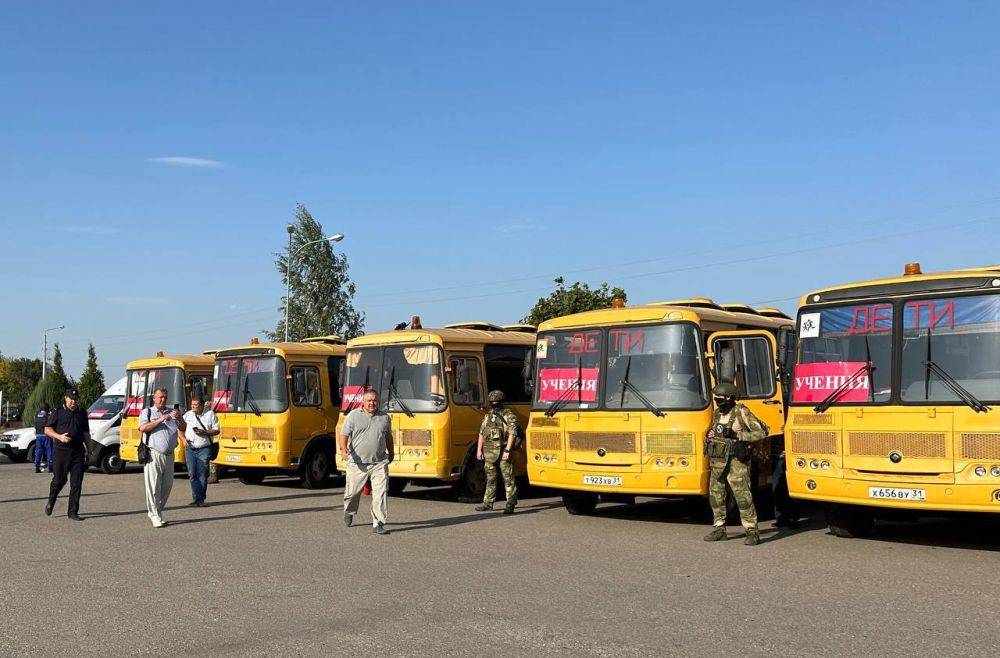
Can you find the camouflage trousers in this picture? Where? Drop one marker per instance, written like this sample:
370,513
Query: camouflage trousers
738,477
491,460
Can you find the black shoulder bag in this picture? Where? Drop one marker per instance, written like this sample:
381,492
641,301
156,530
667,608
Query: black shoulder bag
213,446
142,450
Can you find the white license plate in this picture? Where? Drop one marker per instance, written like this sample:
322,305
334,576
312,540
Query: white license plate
603,480
891,493
234,458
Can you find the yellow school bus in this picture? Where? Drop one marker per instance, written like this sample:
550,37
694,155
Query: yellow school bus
277,405
622,396
434,383
181,374
894,398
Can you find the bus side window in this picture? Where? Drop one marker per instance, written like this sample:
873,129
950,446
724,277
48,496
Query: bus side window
200,386
305,386
467,385
335,368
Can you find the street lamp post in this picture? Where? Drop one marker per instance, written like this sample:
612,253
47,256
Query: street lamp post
45,347
336,237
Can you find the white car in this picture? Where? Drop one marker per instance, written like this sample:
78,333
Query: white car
105,419
18,445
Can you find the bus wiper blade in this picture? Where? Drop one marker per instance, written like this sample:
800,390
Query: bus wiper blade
959,390
562,400
625,383
248,396
394,392
840,390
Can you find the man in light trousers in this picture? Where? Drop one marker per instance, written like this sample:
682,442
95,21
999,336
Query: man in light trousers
161,426
365,446
202,425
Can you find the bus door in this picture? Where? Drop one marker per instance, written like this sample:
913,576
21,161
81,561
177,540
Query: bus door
468,401
308,416
748,359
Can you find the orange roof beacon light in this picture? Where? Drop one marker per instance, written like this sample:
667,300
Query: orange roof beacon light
617,302
159,354
911,268
255,341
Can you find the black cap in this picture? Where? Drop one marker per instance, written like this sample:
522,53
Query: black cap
72,393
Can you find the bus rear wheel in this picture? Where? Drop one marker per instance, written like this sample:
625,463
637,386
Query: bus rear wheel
848,522
252,475
579,502
316,469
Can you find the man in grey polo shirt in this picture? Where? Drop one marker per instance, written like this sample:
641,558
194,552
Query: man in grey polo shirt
161,426
365,444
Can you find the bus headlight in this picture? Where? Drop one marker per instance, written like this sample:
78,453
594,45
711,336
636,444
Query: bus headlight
995,471
553,459
684,463
537,457
980,471
670,463
545,459
814,464
426,453
825,465
800,463
811,485
659,463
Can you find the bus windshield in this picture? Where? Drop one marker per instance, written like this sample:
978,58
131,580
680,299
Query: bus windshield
106,407
660,363
142,384
961,335
406,377
568,365
254,384
836,345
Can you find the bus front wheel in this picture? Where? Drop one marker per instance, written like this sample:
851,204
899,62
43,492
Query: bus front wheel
472,485
316,469
849,522
580,502
397,485
252,475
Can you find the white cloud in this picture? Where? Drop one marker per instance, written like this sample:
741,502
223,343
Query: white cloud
87,229
184,161
135,301
520,227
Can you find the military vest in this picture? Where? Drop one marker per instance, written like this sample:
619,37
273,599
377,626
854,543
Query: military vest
497,424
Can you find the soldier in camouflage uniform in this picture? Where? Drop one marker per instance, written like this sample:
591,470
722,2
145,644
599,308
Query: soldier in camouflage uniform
497,436
729,447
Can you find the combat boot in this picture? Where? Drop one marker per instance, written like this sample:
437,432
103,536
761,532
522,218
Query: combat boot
483,507
509,508
753,537
718,534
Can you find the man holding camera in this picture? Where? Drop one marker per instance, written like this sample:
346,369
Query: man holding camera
202,425
160,425
729,447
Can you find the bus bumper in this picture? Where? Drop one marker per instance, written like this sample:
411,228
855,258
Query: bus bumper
939,497
416,469
251,459
664,483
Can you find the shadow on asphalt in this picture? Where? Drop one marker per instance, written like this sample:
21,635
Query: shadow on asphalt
967,533
211,504
445,521
249,515
64,494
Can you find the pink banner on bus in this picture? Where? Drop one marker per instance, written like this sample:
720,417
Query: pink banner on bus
220,400
555,381
814,381
352,397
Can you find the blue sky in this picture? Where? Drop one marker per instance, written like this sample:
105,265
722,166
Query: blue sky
151,154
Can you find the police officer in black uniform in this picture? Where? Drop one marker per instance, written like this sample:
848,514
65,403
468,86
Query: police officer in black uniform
70,434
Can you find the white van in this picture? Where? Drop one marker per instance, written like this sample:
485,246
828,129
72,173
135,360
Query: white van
105,418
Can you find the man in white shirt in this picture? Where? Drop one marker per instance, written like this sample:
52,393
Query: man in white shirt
161,426
202,425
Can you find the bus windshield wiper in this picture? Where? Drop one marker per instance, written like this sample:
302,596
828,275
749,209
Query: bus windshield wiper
959,390
635,391
394,392
563,398
248,396
840,390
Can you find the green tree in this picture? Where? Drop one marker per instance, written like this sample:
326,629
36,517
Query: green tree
322,293
50,389
577,298
92,380
18,377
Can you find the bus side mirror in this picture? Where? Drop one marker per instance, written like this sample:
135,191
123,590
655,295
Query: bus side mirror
528,371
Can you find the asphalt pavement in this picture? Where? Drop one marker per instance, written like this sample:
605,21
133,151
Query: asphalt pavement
271,570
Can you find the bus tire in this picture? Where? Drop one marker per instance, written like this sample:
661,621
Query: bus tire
848,522
472,484
397,485
579,502
316,468
111,462
252,475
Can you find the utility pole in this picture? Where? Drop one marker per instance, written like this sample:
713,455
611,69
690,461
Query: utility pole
45,348
337,237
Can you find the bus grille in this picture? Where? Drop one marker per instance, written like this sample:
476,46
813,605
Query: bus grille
610,441
542,421
545,440
669,443
131,434
263,434
910,444
414,437
234,433
822,443
981,446
812,419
